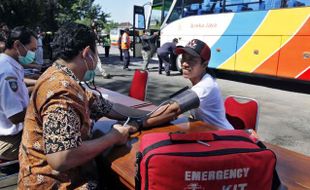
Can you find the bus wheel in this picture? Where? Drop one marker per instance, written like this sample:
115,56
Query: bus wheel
178,63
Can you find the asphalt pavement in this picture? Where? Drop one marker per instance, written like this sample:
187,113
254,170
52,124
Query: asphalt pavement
284,115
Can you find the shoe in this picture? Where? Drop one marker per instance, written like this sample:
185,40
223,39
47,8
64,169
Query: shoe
159,72
168,74
126,69
106,75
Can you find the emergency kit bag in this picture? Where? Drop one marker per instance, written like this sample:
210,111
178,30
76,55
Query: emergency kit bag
216,160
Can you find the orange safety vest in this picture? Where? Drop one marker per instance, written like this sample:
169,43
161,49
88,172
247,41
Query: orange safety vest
125,44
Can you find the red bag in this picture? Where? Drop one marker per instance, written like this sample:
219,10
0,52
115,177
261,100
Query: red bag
223,160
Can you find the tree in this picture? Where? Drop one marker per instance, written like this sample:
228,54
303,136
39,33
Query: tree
108,26
49,14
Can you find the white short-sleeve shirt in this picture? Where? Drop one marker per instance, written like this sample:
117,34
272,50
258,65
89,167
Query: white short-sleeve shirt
14,96
211,109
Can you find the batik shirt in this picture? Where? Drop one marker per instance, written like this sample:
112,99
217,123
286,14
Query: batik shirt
58,118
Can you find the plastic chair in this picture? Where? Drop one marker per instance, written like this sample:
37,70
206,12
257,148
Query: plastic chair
242,112
139,85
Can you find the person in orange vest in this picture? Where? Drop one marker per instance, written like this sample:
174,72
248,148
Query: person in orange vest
125,45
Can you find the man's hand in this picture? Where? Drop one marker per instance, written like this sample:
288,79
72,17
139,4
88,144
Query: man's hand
121,133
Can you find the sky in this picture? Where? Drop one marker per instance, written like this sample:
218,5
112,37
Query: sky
120,10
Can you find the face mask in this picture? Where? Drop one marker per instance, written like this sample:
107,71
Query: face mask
28,58
89,74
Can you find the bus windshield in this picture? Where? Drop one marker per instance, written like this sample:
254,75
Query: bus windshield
160,10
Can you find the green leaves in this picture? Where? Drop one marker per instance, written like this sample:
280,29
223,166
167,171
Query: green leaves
50,14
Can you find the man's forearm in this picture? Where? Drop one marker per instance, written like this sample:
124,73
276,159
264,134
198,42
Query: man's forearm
30,82
163,115
64,160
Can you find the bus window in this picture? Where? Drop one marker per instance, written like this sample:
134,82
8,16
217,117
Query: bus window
167,5
295,3
191,7
155,21
273,4
304,2
176,12
160,10
245,5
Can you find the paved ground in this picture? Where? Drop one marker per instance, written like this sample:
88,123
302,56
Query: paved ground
284,116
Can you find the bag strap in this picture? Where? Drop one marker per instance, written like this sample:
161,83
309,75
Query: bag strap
182,138
192,137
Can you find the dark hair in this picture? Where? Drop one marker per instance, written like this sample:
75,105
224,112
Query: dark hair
175,40
21,33
72,38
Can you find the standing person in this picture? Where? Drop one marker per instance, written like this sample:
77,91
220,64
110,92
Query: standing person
119,43
39,53
57,150
148,47
165,54
102,71
4,31
107,45
195,59
20,47
125,45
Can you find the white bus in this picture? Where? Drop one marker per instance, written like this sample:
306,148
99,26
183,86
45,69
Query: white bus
264,37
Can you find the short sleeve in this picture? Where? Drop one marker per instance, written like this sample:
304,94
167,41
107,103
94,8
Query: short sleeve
61,128
99,107
11,100
204,87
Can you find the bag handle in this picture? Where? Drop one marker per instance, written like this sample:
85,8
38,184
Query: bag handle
192,137
181,136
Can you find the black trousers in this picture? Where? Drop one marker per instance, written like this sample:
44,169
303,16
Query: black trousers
107,51
120,54
166,59
126,58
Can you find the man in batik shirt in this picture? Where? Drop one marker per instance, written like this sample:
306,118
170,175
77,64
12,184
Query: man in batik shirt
57,149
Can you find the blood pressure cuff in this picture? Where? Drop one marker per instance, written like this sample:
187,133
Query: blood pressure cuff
187,100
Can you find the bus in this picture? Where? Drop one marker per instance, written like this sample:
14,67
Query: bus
116,33
264,37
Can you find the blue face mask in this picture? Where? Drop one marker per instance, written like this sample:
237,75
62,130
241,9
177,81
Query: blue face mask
89,74
28,58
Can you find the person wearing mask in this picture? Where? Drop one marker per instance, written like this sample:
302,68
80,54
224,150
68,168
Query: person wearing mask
125,45
58,121
166,54
20,50
195,59
148,47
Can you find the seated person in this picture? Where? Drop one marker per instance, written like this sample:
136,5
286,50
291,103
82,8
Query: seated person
195,58
58,149
20,45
